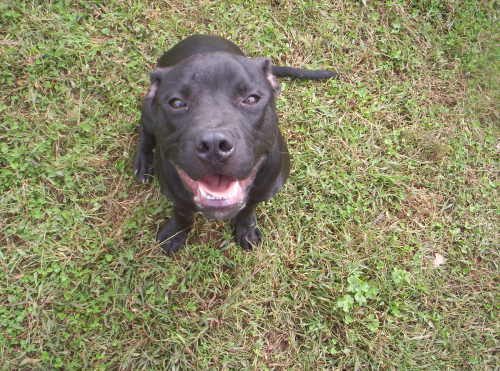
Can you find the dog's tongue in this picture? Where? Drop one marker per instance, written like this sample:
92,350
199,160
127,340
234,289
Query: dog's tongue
216,190
216,183
219,191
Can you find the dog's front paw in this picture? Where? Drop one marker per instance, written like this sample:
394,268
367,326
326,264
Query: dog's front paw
247,237
144,167
171,238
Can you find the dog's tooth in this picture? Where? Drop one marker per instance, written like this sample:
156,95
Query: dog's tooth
211,196
235,187
203,192
208,196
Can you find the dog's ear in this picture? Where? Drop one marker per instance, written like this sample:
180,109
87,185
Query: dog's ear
267,67
156,77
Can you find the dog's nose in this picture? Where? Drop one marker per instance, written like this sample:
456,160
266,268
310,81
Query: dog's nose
214,145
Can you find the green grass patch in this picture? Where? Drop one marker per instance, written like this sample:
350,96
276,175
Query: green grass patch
394,166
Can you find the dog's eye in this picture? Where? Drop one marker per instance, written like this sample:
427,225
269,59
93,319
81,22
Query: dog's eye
177,103
251,99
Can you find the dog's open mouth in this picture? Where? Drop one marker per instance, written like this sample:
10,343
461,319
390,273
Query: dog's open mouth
218,191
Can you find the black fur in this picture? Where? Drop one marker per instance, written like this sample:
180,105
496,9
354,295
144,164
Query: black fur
209,122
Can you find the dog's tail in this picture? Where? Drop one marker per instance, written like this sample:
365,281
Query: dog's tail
303,74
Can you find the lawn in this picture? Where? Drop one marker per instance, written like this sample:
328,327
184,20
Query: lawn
381,252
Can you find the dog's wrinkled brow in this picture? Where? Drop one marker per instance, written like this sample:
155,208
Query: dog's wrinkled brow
185,91
242,87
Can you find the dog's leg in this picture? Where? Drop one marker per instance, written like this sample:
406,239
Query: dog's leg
173,234
144,158
246,232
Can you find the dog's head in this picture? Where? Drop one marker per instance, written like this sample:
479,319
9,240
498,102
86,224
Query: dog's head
213,120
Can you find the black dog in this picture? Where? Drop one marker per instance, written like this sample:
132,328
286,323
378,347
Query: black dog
210,118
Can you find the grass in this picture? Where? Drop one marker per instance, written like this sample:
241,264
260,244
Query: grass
394,165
